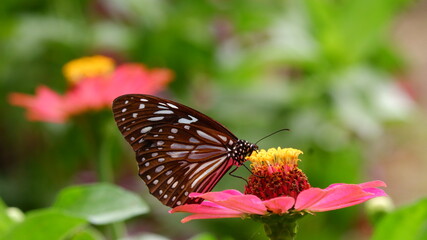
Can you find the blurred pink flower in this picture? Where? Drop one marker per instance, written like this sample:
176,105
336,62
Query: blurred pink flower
278,187
45,105
94,83
233,204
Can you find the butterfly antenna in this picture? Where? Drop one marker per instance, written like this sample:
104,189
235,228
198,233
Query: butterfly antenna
271,134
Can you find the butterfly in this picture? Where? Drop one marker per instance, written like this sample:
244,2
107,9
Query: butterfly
178,149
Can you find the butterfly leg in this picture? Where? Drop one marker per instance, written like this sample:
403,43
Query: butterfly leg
231,174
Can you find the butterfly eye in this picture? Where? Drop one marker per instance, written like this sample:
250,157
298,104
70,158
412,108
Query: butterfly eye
178,149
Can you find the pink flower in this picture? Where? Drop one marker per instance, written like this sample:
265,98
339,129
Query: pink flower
46,105
233,204
278,187
94,83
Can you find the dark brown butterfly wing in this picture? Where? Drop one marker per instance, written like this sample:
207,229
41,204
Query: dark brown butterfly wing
179,150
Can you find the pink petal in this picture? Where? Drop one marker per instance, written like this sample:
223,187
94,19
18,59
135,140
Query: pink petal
136,78
235,200
206,210
208,216
46,105
373,184
217,196
334,197
203,208
250,204
279,205
81,97
309,197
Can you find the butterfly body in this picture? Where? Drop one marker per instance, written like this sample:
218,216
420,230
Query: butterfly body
178,149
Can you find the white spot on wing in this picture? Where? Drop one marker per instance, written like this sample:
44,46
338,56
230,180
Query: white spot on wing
172,106
155,182
161,159
188,121
194,140
148,177
134,115
159,168
206,171
164,112
223,138
181,146
124,110
155,118
174,186
168,172
174,130
141,106
146,129
143,100
169,180
126,102
177,154
207,136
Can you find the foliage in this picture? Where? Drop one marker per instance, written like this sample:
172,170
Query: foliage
408,222
72,213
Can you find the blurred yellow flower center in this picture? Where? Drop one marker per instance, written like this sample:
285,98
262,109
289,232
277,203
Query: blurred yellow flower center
85,67
274,157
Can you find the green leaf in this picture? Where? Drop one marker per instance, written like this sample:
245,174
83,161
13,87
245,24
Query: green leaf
360,24
5,221
146,236
409,223
204,236
100,203
45,224
88,234
365,21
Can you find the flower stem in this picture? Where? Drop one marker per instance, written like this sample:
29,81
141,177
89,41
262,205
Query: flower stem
105,170
100,135
279,227
105,161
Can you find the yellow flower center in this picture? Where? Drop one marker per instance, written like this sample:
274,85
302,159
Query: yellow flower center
81,68
274,158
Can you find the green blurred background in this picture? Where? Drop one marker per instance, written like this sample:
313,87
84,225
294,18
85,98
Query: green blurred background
347,77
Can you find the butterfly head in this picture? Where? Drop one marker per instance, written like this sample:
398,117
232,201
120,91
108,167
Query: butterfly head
241,150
